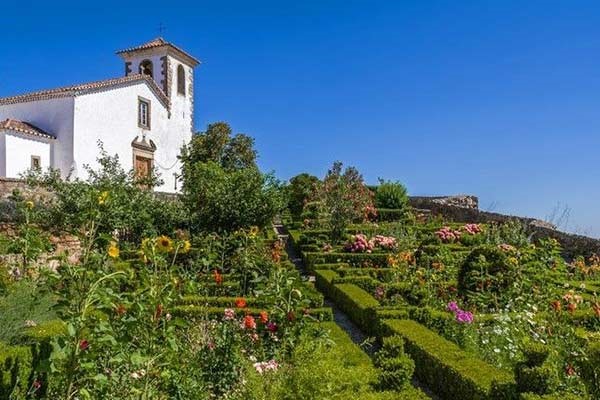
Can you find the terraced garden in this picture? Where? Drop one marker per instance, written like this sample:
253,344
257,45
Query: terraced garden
108,291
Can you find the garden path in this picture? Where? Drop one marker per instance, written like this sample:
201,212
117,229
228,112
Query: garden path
366,343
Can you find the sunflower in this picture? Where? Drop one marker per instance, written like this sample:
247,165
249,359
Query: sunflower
185,246
164,244
254,231
113,250
102,198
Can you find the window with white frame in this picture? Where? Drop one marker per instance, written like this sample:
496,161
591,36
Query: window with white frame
36,162
144,113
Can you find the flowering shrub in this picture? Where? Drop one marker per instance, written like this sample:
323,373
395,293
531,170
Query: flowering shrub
359,243
472,229
448,235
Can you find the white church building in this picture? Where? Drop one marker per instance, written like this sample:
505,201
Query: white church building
145,117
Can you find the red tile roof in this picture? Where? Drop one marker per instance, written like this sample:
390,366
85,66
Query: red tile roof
24,127
75,90
160,42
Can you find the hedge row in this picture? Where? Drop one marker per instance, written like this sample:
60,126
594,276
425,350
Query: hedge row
449,371
358,304
195,311
353,259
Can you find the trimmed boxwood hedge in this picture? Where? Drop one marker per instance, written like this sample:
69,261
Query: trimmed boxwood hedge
449,371
359,305
353,259
196,311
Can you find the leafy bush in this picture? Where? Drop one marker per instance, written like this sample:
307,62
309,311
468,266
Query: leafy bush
391,195
227,200
487,269
344,198
127,207
299,190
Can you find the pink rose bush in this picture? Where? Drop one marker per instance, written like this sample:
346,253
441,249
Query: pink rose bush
461,316
448,235
472,229
360,243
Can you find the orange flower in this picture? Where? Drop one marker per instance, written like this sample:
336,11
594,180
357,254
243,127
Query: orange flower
556,305
240,303
572,307
218,277
249,322
264,317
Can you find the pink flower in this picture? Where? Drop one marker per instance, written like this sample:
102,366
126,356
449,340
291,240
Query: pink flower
265,366
229,314
472,229
452,306
464,317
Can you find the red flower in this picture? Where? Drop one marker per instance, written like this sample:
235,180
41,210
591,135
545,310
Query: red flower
272,327
572,307
556,305
240,303
218,277
36,384
84,345
158,312
249,322
569,370
120,310
264,317
291,316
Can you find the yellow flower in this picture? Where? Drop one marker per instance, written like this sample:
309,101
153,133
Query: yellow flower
29,204
254,231
102,198
185,246
113,250
164,244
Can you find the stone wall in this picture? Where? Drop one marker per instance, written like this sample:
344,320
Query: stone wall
464,209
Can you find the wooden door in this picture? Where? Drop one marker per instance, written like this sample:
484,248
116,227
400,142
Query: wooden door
143,166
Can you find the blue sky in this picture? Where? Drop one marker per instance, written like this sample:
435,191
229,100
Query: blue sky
498,98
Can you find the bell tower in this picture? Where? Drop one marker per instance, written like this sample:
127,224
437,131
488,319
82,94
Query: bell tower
171,68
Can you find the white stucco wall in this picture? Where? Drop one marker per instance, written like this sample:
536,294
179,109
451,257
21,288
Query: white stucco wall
54,116
19,148
111,117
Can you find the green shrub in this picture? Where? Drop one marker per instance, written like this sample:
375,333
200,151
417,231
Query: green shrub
539,380
395,373
535,354
299,190
590,369
391,195
15,371
391,215
227,200
487,269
